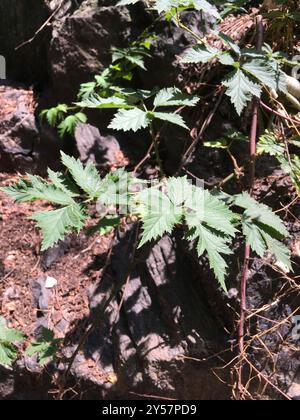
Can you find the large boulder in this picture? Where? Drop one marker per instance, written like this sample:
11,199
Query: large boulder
149,332
19,22
81,43
24,145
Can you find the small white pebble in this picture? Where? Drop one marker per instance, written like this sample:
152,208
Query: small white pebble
50,282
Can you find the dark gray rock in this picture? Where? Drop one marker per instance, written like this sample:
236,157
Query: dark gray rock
24,145
41,294
164,317
51,255
95,148
6,383
83,41
19,21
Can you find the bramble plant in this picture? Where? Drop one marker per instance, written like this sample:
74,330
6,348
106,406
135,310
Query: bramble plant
208,220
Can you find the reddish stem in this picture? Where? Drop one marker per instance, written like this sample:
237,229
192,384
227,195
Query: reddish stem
243,289
278,114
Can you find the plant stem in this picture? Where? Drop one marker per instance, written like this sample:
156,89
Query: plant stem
155,139
247,252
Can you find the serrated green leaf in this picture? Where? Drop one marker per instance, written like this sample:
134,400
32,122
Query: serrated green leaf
55,114
35,188
46,347
226,59
269,144
166,6
206,7
215,245
97,102
61,183
260,213
172,118
204,208
241,89
179,189
217,144
254,238
138,60
132,119
157,212
56,224
174,97
278,249
8,337
201,54
116,188
8,354
262,71
87,178
87,89
68,125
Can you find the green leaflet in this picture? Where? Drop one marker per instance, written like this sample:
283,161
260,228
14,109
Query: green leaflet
45,347
126,2
55,114
35,188
62,183
165,6
97,102
68,125
241,89
229,42
278,249
263,229
87,178
261,213
209,220
56,223
254,237
206,7
179,190
268,143
132,119
172,118
8,338
135,119
174,97
105,225
116,188
215,245
158,214
201,54
265,73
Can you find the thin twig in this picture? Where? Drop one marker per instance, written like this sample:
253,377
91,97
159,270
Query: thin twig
145,158
278,114
206,123
41,28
